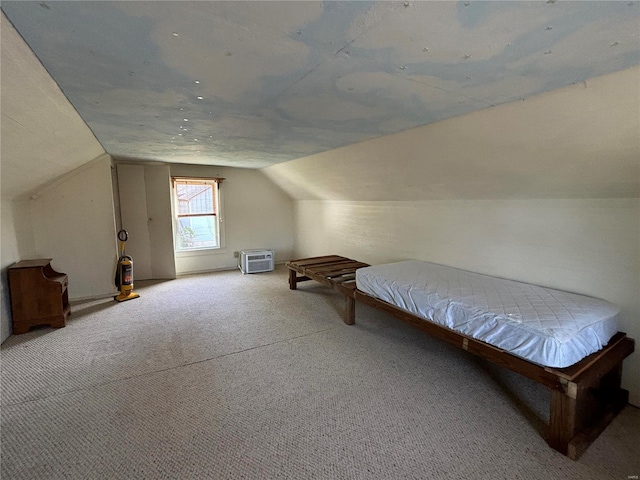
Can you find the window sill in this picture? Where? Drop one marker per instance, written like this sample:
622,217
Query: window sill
199,252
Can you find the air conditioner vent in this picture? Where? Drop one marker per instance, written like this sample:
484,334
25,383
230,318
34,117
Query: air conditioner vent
255,261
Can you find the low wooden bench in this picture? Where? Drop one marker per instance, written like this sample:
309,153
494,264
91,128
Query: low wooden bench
585,397
333,271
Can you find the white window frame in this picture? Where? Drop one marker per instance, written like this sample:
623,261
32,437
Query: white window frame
217,214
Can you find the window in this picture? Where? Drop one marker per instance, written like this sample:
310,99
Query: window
197,211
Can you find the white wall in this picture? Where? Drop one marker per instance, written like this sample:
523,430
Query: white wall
544,191
159,211
145,210
255,214
15,217
73,223
43,139
70,221
134,218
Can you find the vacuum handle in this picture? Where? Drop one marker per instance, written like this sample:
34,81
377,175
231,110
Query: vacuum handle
123,236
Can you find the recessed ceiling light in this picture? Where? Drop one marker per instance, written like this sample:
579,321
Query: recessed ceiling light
200,98
185,119
197,81
175,34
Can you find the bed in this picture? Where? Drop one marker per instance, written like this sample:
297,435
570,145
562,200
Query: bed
564,341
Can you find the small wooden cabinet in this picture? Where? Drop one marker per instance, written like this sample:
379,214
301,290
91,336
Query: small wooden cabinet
38,295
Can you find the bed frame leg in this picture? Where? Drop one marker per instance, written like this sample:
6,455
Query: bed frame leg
562,422
293,283
349,310
581,412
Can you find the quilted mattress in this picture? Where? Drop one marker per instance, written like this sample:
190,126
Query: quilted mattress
546,326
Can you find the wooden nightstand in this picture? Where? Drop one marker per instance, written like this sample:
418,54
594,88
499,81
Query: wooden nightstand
38,295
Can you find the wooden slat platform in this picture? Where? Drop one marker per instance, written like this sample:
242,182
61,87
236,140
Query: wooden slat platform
330,270
585,397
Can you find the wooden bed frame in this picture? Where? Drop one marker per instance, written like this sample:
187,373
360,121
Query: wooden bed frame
585,397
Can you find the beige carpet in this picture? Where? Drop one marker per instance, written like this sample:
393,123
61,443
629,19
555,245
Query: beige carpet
230,376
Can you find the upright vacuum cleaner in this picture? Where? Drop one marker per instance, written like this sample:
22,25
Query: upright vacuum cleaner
124,272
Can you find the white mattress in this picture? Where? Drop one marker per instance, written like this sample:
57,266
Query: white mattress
546,326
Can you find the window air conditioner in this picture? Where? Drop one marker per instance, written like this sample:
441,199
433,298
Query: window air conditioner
254,261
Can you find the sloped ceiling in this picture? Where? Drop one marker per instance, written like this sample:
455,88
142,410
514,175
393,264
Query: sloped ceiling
43,137
577,142
251,84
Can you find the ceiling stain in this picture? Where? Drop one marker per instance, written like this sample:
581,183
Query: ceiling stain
265,82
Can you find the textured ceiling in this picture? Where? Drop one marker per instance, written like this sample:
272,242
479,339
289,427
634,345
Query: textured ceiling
250,84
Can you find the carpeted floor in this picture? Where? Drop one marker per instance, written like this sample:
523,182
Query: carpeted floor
226,375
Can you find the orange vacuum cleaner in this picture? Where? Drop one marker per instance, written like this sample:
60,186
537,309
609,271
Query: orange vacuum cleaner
124,272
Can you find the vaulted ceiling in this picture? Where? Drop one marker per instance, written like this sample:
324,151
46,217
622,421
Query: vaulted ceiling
250,84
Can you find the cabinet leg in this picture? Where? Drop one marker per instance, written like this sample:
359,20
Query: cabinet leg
59,323
19,329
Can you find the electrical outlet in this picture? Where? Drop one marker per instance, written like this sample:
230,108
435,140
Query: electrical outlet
236,254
